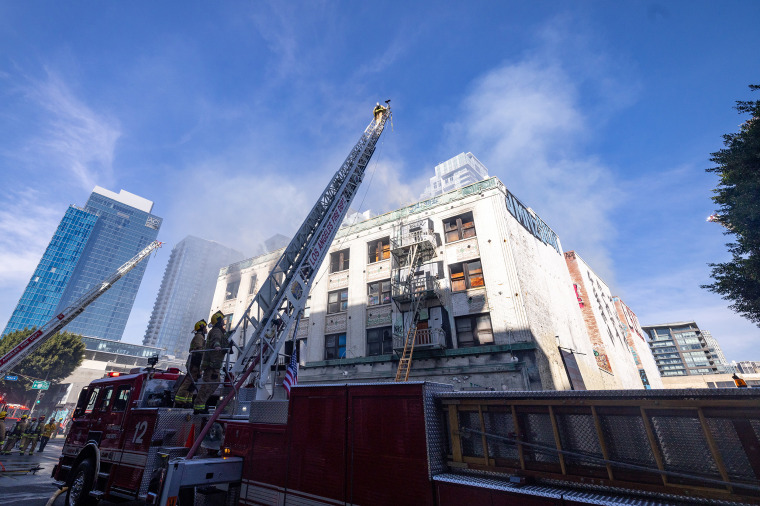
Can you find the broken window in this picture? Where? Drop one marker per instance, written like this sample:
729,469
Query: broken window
379,250
466,275
232,289
337,302
474,330
459,227
252,286
379,293
339,261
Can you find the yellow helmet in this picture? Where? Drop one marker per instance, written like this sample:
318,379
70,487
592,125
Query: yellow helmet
216,317
24,416
3,414
199,324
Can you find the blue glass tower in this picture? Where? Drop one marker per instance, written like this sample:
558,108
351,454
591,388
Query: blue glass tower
53,273
124,226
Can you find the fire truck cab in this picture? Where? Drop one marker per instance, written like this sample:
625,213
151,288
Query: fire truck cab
119,425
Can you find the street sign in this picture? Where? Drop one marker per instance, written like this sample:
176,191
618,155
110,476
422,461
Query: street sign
10,377
40,385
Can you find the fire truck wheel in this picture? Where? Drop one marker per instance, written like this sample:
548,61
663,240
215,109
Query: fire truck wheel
80,485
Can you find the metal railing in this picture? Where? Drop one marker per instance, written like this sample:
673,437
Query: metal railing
419,284
425,338
424,235
697,443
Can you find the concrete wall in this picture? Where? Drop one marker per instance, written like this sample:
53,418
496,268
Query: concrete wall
637,342
605,330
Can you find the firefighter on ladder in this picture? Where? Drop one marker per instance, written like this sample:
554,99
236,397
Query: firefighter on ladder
18,430
184,396
3,414
213,357
378,112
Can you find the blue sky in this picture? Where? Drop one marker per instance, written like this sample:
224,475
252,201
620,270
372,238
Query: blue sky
231,116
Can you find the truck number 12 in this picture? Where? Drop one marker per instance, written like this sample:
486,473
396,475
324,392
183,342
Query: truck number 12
140,429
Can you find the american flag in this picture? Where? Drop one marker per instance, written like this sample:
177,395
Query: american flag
291,374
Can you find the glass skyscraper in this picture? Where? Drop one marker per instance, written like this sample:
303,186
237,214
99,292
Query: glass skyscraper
52,275
455,173
186,292
94,241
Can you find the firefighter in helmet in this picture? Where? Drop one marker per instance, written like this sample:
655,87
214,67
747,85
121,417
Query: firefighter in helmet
3,414
184,396
16,433
378,112
31,435
216,344
46,432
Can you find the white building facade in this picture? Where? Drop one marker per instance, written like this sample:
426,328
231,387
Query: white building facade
498,312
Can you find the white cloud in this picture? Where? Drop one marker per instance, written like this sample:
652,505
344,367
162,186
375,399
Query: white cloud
72,135
524,121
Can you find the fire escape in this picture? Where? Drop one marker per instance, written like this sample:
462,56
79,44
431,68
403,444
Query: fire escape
413,246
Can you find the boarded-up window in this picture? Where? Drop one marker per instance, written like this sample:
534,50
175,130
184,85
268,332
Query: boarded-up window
459,227
379,250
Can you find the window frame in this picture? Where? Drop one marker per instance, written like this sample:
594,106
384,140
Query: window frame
336,347
339,302
381,299
382,250
475,329
386,345
252,286
468,274
461,225
340,260
122,388
92,401
105,400
228,294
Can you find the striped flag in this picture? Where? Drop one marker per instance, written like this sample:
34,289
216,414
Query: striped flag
291,374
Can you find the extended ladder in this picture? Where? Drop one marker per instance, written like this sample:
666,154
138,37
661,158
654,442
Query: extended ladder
282,297
37,338
415,261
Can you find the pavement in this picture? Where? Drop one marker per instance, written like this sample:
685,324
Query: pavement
20,484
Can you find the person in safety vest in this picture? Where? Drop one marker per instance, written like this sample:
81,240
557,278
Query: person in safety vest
184,396
378,112
216,344
3,414
31,435
47,432
16,433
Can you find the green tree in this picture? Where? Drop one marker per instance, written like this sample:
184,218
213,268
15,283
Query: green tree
738,198
55,360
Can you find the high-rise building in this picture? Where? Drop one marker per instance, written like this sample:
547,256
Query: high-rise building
462,170
53,273
680,349
186,292
717,353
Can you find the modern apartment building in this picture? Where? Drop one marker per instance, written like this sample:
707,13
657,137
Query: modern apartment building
186,292
457,172
499,309
680,349
717,353
89,244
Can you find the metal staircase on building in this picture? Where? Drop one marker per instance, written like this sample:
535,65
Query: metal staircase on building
414,247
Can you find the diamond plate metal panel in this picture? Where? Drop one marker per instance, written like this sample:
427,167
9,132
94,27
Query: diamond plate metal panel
577,433
627,440
538,429
472,442
274,412
731,450
500,423
683,445
435,433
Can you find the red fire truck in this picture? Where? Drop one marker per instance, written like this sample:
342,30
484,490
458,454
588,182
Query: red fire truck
402,442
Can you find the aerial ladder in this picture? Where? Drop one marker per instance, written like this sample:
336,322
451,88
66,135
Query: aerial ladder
38,337
280,301
414,247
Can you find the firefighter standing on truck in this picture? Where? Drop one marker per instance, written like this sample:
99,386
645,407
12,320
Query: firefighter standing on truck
184,396
216,344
